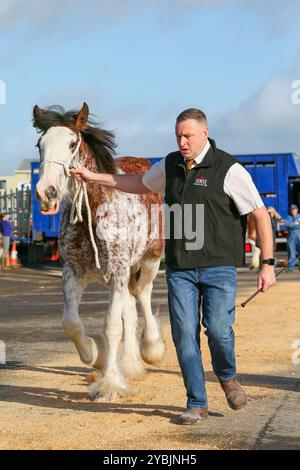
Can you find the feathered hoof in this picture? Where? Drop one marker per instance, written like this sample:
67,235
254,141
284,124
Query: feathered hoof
112,397
153,352
132,369
107,390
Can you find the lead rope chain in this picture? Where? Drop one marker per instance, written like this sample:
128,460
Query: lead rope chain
80,194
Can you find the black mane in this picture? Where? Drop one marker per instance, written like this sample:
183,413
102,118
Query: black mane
100,142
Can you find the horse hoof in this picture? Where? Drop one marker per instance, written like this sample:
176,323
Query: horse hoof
153,352
132,369
97,397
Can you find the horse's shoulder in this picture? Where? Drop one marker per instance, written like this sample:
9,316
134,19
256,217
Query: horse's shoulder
135,165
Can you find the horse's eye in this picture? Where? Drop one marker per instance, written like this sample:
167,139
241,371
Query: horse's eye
72,145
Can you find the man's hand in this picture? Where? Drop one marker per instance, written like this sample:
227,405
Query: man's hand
83,174
266,278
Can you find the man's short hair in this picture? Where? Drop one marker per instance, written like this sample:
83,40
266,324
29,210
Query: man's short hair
192,113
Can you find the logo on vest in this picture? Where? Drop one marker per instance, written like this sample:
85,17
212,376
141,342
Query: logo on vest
201,181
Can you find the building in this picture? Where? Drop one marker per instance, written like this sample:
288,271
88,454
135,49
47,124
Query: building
15,196
20,179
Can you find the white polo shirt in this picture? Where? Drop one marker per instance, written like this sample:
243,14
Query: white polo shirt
238,184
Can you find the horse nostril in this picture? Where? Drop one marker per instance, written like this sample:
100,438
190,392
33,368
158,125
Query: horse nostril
51,192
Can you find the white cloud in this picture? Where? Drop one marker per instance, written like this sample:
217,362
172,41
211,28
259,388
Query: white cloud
16,147
140,131
37,14
50,13
14,12
266,122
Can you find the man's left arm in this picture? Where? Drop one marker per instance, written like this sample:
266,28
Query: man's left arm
266,276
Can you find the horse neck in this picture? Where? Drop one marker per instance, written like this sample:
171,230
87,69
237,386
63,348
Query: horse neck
87,158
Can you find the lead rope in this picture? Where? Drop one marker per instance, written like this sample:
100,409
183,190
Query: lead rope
76,214
80,194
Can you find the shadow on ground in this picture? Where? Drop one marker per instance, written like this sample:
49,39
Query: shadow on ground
79,401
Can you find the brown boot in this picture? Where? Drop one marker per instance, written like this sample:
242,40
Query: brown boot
235,395
193,415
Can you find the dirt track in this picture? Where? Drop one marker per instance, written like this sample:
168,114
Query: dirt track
44,404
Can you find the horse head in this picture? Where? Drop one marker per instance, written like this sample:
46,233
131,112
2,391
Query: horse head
59,149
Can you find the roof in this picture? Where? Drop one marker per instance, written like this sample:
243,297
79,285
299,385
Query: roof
25,164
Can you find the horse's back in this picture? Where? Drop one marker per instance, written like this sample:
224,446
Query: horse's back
139,166
135,165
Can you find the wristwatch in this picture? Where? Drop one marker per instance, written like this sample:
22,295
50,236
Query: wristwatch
270,261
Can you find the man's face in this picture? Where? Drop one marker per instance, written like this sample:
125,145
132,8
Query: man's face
191,137
294,212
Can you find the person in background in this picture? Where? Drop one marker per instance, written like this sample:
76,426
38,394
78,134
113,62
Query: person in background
293,240
1,244
6,228
275,217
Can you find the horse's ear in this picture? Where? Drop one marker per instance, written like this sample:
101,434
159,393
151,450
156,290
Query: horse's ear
82,117
37,113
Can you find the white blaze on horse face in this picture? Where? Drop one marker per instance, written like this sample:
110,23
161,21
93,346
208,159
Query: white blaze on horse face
57,146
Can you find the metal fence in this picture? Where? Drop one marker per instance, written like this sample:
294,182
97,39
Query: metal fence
17,204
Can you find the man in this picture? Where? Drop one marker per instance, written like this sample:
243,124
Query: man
200,174
6,228
293,240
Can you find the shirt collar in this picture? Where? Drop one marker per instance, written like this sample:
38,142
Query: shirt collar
201,155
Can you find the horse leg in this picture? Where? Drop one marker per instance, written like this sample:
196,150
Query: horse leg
131,364
87,348
111,385
152,345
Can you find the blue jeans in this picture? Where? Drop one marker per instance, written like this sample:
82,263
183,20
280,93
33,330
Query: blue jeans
5,246
215,288
293,246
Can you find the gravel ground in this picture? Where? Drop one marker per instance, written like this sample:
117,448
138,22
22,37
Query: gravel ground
43,391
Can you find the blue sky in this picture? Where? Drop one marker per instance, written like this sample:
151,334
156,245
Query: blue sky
139,63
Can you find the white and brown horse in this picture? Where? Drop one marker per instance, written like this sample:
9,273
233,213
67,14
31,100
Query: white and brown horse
113,244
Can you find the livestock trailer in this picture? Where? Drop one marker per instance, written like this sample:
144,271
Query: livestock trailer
277,177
